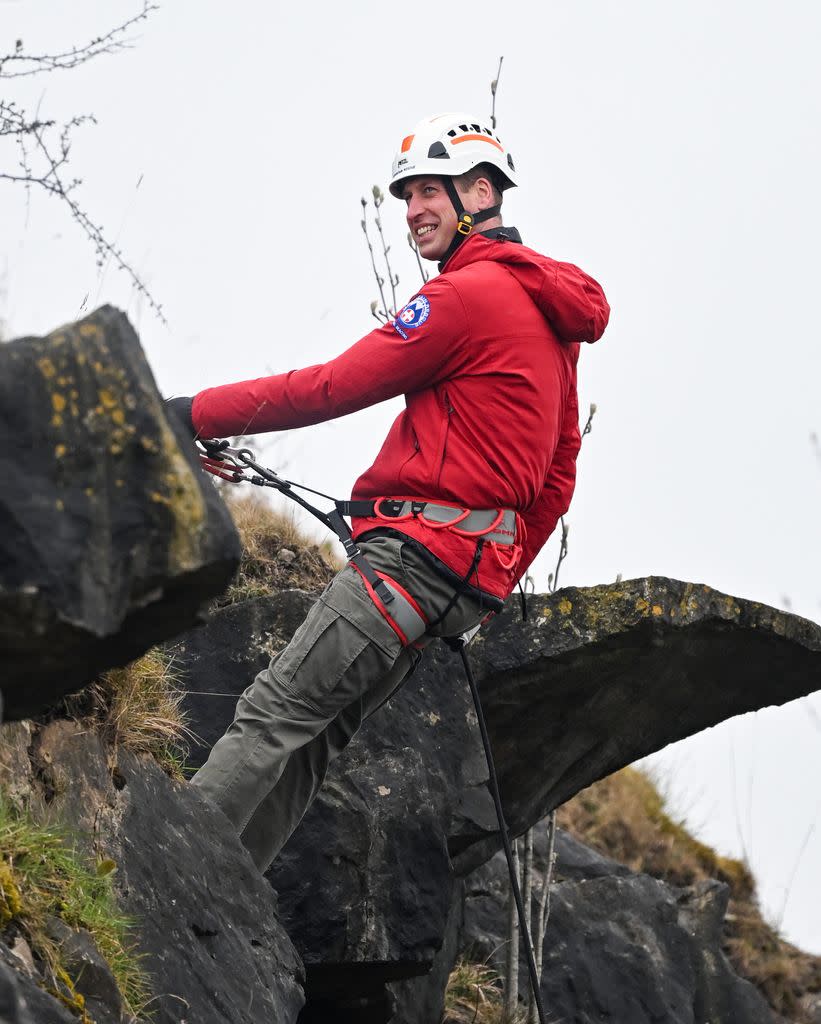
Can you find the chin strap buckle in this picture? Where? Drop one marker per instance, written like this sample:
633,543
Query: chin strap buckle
465,224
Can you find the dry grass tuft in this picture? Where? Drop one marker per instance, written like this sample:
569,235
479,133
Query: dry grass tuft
276,553
139,708
624,817
474,995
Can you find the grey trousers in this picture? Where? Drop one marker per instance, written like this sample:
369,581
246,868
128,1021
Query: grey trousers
342,664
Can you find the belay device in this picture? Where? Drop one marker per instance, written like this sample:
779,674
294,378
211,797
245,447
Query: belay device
233,464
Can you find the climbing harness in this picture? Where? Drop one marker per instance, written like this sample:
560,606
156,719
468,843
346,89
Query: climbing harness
393,601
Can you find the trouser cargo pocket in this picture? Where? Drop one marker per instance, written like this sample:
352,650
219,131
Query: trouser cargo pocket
335,653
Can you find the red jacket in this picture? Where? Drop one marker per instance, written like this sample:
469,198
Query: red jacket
485,355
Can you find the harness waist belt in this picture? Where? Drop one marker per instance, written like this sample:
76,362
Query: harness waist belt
497,525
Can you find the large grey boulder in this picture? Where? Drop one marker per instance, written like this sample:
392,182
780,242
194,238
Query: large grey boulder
111,537
594,680
619,946
599,677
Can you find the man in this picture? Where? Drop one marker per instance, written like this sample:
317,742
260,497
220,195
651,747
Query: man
470,482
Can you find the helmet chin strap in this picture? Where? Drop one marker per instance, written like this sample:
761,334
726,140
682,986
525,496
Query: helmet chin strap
465,221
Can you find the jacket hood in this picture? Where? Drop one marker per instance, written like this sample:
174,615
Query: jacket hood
571,301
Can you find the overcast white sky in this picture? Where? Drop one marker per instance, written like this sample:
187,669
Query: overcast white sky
671,150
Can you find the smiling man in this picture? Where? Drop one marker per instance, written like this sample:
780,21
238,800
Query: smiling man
469,484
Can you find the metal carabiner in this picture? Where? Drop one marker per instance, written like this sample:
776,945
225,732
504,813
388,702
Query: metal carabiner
217,458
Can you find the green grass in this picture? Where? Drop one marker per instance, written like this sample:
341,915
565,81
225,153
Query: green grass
42,876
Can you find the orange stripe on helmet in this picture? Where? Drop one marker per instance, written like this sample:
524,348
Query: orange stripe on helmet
406,143
476,138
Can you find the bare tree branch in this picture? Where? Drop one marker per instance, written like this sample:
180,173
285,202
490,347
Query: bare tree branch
382,313
44,146
26,64
393,279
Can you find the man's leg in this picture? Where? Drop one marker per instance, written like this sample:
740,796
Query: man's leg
283,808
342,648
341,664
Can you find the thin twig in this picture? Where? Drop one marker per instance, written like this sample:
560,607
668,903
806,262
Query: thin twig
35,64
527,891
378,199
589,425
512,967
415,247
553,578
379,279
494,85
544,898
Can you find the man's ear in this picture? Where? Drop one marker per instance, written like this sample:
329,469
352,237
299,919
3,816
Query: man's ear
483,193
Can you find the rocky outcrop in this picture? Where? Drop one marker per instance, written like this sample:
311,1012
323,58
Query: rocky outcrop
205,920
619,946
594,680
111,539
602,676
22,1001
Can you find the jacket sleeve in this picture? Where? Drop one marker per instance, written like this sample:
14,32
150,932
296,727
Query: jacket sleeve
541,518
395,359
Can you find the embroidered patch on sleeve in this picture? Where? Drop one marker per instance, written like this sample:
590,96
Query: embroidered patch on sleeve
413,315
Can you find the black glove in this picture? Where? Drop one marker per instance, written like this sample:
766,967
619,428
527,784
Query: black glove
181,409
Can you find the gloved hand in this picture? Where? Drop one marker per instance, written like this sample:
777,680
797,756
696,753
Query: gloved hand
181,408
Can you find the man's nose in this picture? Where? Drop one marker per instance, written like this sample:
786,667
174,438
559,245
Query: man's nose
414,207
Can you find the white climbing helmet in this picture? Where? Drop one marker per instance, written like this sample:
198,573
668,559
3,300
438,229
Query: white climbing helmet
449,145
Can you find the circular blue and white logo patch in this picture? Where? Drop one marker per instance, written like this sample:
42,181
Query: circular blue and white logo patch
413,315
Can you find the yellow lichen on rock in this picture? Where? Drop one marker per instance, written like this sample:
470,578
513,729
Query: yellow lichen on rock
565,607
10,902
184,498
46,367
90,331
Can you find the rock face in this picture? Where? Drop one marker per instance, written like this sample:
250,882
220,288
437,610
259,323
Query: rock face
601,676
111,538
21,1001
205,919
594,680
619,946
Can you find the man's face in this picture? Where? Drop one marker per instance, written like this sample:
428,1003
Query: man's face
430,215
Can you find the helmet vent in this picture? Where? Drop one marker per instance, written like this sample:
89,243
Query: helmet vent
438,152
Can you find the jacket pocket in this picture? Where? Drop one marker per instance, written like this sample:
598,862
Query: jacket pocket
401,474
442,447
